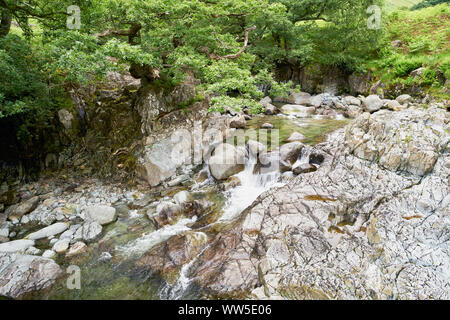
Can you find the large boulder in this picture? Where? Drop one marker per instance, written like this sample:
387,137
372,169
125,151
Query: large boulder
20,274
372,103
290,152
302,98
49,231
161,161
102,214
226,161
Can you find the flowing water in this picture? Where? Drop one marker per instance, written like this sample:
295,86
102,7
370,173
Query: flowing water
117,277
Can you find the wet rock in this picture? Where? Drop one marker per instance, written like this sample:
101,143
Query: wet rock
180,180
102,214
76,249
49,231
296,137
167,213
24,208
290,152
238,122
270,109
226,161
255,148
90,230
372,103
20,274
231,183
181,197
16,246
298,110
302,168
267,126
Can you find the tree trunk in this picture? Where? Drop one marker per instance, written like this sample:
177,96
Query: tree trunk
5,24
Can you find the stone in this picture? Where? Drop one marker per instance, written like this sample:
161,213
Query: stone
404,99
91,230
268,126
418,73
270,109
24,208
49,231
33,251
302,168
396,44
353,229
181,197
386,139
167,213
102,214
290,152
350,100
49,254
298,110
372,103
296,137
76,249
353,111
315,101
302,98
161,161
20,274
393,105
226,161
16,246
238,122
61,245
66,118
255,148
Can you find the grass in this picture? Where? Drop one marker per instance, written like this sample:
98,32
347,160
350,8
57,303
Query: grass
392,5
425,37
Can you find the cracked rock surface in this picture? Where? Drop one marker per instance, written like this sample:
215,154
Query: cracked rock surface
20,274
372,223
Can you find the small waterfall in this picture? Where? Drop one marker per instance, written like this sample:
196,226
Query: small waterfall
148,241
252,186
177,291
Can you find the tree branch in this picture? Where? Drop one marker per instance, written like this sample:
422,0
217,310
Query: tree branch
232,56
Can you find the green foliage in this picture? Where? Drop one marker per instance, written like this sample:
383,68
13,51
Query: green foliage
428,3
424,36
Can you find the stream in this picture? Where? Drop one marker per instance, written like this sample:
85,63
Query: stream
115,275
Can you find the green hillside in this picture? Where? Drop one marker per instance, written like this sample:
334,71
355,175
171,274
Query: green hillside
397,4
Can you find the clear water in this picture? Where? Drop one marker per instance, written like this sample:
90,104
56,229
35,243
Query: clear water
130,237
